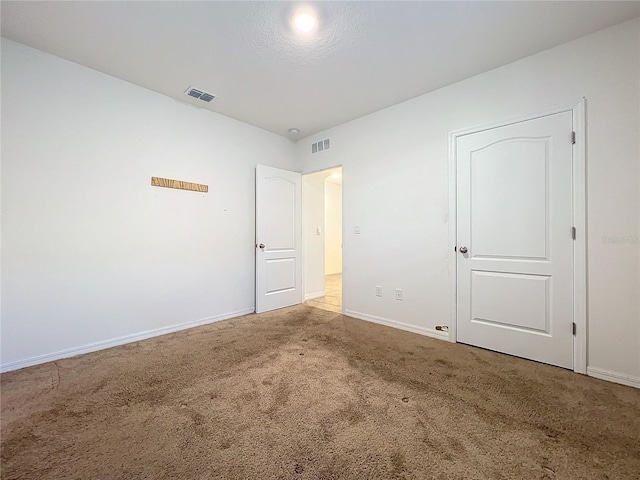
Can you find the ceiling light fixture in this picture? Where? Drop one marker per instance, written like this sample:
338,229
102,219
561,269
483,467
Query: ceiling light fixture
294,131
304,22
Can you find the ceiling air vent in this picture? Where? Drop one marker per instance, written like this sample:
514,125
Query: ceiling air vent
200,94
321,146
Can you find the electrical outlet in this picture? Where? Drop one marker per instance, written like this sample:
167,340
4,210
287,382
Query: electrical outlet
398,294
378,291
356,229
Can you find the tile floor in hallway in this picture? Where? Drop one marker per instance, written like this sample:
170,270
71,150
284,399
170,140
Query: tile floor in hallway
332,299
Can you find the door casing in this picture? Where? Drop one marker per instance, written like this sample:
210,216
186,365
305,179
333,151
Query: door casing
304,252
579,222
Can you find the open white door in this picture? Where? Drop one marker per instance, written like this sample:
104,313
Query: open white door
515,245
278,238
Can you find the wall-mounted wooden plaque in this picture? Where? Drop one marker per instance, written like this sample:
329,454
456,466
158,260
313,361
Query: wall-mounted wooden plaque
168,183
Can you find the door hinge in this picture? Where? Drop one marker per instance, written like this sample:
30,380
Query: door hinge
573,232
573,138
574,327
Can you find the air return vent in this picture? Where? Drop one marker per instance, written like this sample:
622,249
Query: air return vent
200,94
321,146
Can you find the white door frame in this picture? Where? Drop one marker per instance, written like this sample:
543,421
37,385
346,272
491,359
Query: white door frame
579,222
304,230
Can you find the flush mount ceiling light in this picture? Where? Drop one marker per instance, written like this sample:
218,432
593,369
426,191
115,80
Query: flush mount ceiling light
294,131
304,22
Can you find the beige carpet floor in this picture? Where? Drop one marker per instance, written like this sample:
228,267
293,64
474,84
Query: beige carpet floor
304,393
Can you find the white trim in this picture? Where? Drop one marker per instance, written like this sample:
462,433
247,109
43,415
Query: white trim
580,244
453,237
522,118
579,221
114,342
311,296
616,377
344,236
429,332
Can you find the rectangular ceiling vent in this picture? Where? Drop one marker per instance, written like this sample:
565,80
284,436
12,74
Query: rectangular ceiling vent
199,94
321,146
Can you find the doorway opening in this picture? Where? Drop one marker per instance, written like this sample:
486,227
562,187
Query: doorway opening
322,239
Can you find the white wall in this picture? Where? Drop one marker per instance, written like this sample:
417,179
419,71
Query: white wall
396,188
91,253
332,227
313,219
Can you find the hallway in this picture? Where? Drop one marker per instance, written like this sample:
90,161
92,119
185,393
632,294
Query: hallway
332,300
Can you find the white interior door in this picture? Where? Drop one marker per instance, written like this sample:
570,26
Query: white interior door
514,239
278,238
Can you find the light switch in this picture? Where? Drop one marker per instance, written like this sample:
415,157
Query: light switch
318,232
356,229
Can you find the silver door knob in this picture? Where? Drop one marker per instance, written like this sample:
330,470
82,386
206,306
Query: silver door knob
261,246
463,250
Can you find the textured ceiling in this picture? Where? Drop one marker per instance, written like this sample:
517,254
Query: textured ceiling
364,56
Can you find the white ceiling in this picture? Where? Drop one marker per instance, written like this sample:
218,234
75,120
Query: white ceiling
365,56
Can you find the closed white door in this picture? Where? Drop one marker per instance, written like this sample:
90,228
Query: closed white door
514,239
278,238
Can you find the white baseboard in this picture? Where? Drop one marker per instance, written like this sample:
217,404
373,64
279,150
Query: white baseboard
429,332
616,377
92,347
311,296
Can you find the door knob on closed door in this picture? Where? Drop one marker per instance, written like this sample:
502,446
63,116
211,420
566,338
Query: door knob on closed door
463,250
261,246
